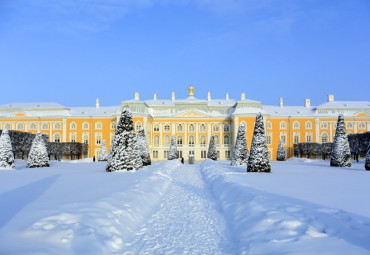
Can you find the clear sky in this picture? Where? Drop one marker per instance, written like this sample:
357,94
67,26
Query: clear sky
74,51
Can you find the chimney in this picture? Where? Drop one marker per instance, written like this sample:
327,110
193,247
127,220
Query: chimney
136,95
330,98
97,103
242,96
227,96
307,102
173,96
155,96
281,102
209,96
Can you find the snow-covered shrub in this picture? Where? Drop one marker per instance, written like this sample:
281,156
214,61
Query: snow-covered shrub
367,161
103,154
258,160
123,154
6,151
340,154
143,147
212,151
240,154
280,152
172,153
38,156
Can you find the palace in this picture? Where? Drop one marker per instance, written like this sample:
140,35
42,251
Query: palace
191,120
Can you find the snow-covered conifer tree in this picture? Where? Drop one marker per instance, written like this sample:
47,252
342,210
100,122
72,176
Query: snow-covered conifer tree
340,153
103,154
172,153
280,152
212,151
258,160
240,154
138,161
6,151
38,156
143,147
123,155
367,161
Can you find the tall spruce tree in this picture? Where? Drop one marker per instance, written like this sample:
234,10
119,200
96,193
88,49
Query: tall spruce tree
173,153
240,154
280,152
6,151
123,154
143,147
138,161
103,153
367,160
258,160
38,156
340,153
212,151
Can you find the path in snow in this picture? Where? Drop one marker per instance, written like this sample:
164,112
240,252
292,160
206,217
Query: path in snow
187,221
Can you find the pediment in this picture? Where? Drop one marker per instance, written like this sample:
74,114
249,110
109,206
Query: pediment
361,114
191,114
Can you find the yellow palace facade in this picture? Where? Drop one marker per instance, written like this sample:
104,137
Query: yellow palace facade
191,120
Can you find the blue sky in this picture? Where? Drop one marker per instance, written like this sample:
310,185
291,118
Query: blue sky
74,51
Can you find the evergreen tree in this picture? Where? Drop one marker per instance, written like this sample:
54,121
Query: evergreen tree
340,153
123,154
367,161
6,151
240,154
258,160
280,152
103,154
138,161
212,151
38,156
143,147
172,153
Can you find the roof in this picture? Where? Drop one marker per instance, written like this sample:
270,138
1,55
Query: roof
35,105
289,110
93,111
346,104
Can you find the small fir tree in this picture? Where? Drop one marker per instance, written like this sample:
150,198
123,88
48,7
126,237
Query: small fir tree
367,161
38,156
340,153
280,152
123,154
138,161
240,154
103,154
212,151
143,147
6,151
173,153
258,160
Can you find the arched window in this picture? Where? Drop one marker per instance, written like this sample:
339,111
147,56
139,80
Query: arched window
362,125
191,128
32,126
226,139
167,140
283,125
226,128
179,140
216,128
191,141
156,128
167,128
308,125
349,125
202,128
85,138
73,138
57,138
324,125
98,125
217,140
179,128
113,125
138,125
156,140
57,126
98,138
7,126
203,140
73,126
268,125
324,137
20,126
296,125
85,126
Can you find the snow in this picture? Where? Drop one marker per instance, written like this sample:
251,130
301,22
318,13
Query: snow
301,207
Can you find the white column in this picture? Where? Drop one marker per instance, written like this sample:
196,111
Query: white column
51,131
64,130
317,127
196,133
330,131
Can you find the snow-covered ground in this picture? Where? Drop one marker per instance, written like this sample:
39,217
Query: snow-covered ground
302,207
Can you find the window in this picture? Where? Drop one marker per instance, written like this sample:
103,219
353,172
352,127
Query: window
309,138
218,154
85,138
362,125
167,128
32,126
180,154
217,140
270,154
73,126
138,125
179,128
308,125
202,128
155,154
324,137
156,128
57,126
203,140
73,138
203,154
283,138
20,126
165,154
226,140
296,139
7,126
268,125
113,125
191,128
191,141
191,152
167,140
216,128
349,125
283,125
227,154
179,140
57,138
269,138
226,128
85,126
98,138
296,125
324,125
156,140
98,125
